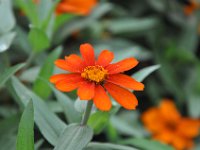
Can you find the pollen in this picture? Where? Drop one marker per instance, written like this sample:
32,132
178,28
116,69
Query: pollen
96,74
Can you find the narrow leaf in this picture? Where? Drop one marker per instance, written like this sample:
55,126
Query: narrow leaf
98,120
41,86
38,39
142,143
8,73
48,123
67,104
143,73
107,146
25,137
75,137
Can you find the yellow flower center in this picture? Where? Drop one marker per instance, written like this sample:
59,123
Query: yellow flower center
94,73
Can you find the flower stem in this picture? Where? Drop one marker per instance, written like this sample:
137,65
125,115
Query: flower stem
87,112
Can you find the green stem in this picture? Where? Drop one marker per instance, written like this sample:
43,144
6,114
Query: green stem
87,112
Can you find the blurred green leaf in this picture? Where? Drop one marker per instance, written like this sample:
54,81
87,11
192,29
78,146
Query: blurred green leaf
74,137
143,73
25,136
6,40
122,49
41,86
142,143
8,128
30,10
38,39
111,132
131,25
30,74
9,72
193,105
125,128
107,146
158,5
7,17
49,124
98,121
67,104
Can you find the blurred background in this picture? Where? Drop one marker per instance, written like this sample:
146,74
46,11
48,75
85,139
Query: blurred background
161,34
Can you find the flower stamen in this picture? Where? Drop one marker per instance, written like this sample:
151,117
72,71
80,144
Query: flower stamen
94,73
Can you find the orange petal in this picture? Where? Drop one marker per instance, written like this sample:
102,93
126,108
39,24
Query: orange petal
60,63
126,81
149,118
87,53
58,77
69,84
101,99
86,91
169,112
122,66
122,96
105,58
75,62
189,128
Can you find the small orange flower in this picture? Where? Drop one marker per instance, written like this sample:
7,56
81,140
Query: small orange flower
189,9
168,126
81,7
94,77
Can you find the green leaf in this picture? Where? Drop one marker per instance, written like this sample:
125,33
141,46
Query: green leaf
38,39
122,49
30,10
67,104
25,136
75,137
125,128
193,105
9,72
142,143
98,120
7,17
48,123
41,86
8,128
6,40
107,146
143,73
131,25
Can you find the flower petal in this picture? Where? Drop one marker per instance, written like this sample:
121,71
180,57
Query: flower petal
87,53
86,91
169,112
58,77
122,96
122,66
189,127
60,63
75,62
126,81
101,99
105,58
69,84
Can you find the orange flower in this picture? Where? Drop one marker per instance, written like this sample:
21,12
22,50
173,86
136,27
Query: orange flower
168,126
81,7
94,77
189,9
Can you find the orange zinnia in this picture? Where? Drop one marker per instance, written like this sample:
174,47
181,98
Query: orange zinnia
168,126
93,77
81,7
